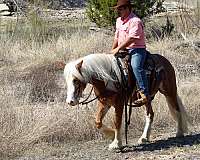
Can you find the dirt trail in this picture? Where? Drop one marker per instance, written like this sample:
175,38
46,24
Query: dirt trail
163,146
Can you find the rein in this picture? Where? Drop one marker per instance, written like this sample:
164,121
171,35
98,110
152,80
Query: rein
85,100
124,76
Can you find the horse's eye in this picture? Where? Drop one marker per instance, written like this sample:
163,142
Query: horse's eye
75,81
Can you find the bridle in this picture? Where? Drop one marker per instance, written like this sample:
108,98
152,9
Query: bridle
85,102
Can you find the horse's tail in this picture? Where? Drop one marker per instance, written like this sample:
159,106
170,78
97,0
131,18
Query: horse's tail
179,113
184,116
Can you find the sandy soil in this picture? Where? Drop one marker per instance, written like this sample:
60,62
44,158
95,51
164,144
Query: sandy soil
163,146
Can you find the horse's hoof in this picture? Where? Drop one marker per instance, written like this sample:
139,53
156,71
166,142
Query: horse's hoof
143,140
115,145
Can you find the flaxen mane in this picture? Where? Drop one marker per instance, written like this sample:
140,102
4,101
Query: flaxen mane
102,66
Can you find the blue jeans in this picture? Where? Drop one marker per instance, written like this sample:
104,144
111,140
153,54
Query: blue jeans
137,63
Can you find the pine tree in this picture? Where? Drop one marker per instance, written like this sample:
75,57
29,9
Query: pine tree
102,13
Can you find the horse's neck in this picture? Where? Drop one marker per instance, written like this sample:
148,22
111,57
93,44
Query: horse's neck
99,67
103,90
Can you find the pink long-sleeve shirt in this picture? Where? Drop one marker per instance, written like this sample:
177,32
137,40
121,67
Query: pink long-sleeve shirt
133,27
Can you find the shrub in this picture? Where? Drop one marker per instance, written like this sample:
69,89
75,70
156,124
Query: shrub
101,12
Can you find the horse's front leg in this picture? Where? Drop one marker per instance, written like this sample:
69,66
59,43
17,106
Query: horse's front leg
103,108
117,142
147,129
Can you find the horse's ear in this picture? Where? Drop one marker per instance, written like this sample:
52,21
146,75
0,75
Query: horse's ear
78,66
59,65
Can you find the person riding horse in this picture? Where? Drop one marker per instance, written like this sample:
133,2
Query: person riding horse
98,69
130,35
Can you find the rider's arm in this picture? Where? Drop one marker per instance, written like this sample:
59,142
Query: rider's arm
126,43
115,44
122,46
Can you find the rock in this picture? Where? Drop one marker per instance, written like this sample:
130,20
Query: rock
4,7
5,13
4,10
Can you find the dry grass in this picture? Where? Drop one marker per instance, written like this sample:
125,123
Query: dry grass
32,92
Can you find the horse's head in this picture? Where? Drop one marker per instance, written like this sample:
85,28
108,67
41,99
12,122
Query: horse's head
75,83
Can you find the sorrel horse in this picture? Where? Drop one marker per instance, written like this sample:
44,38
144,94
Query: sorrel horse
102,71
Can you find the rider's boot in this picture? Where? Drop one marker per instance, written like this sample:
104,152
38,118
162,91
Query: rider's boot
142,100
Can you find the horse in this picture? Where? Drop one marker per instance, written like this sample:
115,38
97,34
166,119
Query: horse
103,73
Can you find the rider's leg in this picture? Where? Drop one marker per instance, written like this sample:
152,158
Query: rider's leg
137,63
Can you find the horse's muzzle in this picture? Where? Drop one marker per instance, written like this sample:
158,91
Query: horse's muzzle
72,103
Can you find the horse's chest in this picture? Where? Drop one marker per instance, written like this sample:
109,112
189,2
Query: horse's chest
111,86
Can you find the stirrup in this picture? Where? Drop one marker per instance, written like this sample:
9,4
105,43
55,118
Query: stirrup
135,105
140,102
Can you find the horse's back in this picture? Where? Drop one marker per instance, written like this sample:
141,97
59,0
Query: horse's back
167,74
161,62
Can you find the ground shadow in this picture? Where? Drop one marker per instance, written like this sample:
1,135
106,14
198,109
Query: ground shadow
188,140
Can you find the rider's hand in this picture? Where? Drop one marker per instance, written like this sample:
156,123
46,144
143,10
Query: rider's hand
114,51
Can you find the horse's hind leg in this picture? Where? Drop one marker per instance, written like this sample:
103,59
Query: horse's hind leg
147,129
178,113
168,88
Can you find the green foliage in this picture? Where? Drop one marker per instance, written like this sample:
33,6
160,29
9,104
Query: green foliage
102,13
144,8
